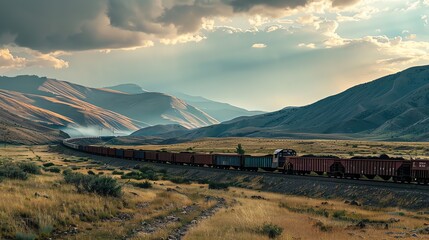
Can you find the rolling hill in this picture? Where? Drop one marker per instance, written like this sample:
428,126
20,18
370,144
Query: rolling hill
218,110
395,107
75,108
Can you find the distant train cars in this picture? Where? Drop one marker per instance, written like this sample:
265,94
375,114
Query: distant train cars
282,160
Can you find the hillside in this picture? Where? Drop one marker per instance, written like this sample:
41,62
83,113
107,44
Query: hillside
159,130
17,130
219,110
127,88
394,107
72,107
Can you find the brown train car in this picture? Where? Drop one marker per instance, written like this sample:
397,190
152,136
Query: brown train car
165,157
420,171
151,155
303,165
183,157
128,154
203,159
105,151
383,168
111,152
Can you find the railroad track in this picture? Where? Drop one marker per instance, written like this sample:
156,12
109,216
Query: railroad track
319,179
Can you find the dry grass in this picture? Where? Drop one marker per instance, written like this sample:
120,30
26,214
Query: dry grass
246,217
58,207
344,148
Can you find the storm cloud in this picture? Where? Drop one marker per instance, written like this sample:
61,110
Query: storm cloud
50,25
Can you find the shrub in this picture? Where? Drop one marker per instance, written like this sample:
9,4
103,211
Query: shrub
48,164
90,172
271,230
179,180
117,173
214,185
137,175
203,181
101,185
25,236
67,171
11,170
323,227
339,214
239,149
29,167
53,169
145,184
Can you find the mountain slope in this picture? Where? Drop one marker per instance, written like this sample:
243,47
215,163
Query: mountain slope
127,88
17,130
218,110
392,107
104,107
160,130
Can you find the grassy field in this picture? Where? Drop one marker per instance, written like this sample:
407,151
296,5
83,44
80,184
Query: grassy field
45,206
345,148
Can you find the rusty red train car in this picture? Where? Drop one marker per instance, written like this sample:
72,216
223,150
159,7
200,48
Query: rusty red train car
111,152
165,157
151,155
128,153
201,159
420,171
384,168
306,165
105,151
183,157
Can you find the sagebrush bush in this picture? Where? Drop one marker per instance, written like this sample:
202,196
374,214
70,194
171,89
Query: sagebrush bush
117,172
53,169
101,185
215,185
178,180
145,184
29,167
48,164
12,171
140,175
271,230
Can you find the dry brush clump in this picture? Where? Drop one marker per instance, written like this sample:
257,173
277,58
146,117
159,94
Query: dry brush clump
102,185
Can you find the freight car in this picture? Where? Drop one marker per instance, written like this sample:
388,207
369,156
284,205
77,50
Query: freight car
227,161
283,160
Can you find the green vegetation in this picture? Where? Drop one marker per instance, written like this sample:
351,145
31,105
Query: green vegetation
53,169
145,184
48,164
271,230
215,185
20,170
239,149
101,185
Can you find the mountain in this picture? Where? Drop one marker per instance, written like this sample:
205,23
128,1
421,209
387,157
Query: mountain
17,130
218,110
395,107
128,88
64,105
171,129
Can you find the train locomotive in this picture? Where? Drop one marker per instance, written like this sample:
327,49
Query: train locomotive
282,160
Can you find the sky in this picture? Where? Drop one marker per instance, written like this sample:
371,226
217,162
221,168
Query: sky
256,54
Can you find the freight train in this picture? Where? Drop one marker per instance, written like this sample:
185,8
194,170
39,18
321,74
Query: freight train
282,160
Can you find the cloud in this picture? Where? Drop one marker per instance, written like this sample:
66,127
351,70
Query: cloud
32,58
7,60
259,45
50,25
